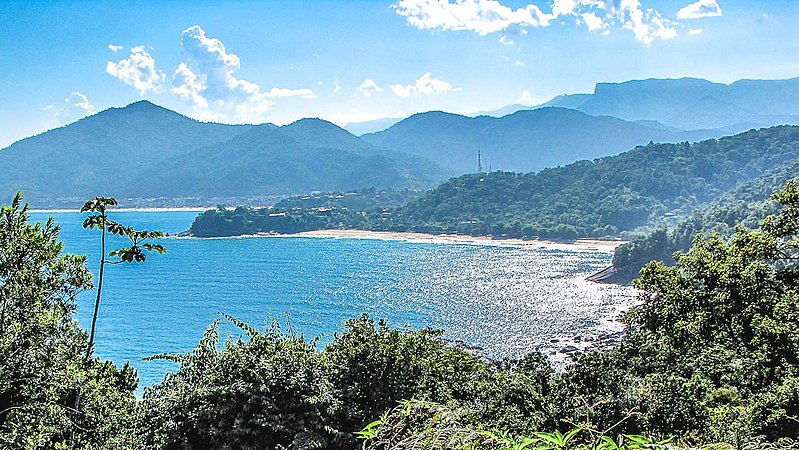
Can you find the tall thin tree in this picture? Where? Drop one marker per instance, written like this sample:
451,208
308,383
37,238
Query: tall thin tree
136,252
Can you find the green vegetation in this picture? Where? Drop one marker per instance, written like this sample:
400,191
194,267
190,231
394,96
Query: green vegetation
710,356
646,186
364,209
603,197
746,206
43,368
152,156
527,140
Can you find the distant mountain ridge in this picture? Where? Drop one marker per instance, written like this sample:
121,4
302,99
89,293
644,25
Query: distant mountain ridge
603,197
608,197
144,150
693,103
525,141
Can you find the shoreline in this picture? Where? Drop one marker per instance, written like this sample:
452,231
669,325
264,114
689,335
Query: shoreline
77,210
579,244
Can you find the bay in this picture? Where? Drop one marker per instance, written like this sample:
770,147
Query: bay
504,300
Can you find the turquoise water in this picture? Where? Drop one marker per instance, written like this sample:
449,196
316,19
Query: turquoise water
506,300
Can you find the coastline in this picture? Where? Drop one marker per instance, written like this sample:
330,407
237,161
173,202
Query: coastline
77,210
579,244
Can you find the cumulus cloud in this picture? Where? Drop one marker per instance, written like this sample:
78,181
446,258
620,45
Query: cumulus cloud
77,106
138,70
699,9
207,81
481,16
115,48
369,87
425,85
695,31
80,102
505,40
593,22
491,16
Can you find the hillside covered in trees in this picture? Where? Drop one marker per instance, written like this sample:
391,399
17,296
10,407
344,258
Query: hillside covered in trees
646,186
147,155
709,356
744,206
527,140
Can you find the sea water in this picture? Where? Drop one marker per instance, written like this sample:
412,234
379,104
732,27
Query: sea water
503,300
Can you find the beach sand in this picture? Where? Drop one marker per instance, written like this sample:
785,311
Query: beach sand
580,244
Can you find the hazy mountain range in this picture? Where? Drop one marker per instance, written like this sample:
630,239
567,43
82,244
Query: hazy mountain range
524,141
686,104
693,103
146,151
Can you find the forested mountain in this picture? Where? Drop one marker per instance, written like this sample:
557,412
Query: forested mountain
524,141
650,184
746,205
308,155
693,103
103,153
605,196
144,150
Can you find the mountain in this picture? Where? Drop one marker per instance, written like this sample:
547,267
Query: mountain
746,205
307,155
605,197
503,111
527,140
143,151
693,103
370,126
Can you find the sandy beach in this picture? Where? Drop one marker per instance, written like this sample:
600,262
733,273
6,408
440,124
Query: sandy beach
580,244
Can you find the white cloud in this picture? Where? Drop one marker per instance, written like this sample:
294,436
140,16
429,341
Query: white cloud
77,107
425,85
505,40
207,80
592,21
336,87
115,48
138,70
481,16
519,63
491,16
369,87
695,31
526,98
283,93
699,9
79,102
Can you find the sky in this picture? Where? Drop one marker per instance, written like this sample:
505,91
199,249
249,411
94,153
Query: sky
353,61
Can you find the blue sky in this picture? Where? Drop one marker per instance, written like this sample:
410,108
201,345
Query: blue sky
259,61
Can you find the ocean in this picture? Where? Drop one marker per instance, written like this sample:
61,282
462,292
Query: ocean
504,301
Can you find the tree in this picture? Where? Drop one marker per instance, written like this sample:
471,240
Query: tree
135,252
712,350
42,368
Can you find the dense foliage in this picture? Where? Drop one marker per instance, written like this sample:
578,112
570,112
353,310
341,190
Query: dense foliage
653,184
746,206
601,197
710,355
363,209
43,367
